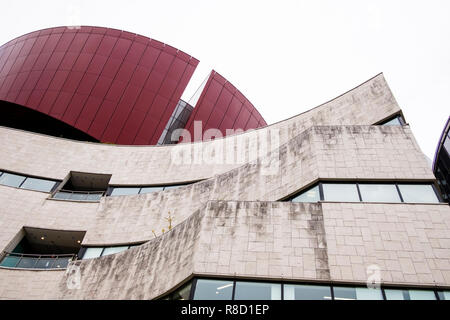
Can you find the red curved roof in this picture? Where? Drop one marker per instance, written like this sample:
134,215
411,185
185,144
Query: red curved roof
116,86
222,106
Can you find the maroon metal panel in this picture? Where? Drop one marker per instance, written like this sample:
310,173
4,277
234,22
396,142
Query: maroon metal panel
221,106
117,86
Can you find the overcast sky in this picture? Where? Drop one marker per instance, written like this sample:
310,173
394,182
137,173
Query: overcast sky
285,56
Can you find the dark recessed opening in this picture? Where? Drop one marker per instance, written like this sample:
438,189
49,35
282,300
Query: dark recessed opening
23,118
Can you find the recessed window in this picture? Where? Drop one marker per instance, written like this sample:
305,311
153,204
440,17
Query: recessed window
396,121
306,292
153,189
206,289
379,193
421,193
126,191
83,186
310,195
43,249
92,253
257,291
358,293
342,192
11,180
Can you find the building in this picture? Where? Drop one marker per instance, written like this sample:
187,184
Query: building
441,164
317,206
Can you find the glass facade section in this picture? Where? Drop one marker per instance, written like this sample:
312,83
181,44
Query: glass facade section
124,191
422,193
113,250
206,289
379,193
399,294
306,292
342,192
393,122
444,295
310,195
150,189
11,180
257,291
38,184
92,253
357,293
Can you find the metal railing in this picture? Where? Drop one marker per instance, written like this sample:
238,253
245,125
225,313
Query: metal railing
33,261
78,195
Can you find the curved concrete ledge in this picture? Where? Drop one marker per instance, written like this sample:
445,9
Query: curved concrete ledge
268,240
51,157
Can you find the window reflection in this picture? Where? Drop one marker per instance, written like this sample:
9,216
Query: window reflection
306,292
310,195
257,291
357,293
342,192
379,193
206,289
422,193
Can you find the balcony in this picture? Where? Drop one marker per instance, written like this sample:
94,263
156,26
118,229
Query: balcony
34,261
78,195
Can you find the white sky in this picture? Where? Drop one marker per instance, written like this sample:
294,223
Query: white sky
285,56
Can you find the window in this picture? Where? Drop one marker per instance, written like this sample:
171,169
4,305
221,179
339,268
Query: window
390,192
357,293
83,186
38,184
342,192
396,121
306,292
206,289
11,180
126,191
423,193
399,294
113,250
444,295
182,293
310,195
379,193
43,249
257,291
95,252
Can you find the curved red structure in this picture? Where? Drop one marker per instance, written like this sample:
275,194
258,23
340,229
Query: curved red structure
222,106
117,86
112,85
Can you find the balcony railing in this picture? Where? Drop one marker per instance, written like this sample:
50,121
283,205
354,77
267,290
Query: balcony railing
32,261
78,195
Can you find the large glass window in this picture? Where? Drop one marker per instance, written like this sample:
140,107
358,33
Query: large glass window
422,193
11,180
310,195
257,291
342,192
399,294
206,289
38,184
306,292
358,293
379,193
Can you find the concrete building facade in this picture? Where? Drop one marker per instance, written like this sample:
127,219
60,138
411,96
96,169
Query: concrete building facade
177,216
